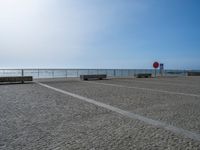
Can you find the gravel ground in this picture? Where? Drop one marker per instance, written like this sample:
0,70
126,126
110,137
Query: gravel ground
33,117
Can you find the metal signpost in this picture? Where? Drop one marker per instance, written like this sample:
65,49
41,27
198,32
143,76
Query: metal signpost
156,65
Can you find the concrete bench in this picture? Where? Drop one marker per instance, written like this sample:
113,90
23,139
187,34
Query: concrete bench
193,73
21,79
144,75
94,76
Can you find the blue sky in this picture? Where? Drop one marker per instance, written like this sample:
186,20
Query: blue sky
99,33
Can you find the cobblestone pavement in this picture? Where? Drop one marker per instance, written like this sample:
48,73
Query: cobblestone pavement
34,117
178,110
184,84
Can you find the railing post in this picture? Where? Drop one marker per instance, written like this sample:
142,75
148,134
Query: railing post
52,73
22,72
77,72
38,73
22,76
66,73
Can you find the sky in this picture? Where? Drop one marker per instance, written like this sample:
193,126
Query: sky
124,34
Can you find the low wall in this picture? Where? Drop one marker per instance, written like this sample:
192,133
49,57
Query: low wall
193,73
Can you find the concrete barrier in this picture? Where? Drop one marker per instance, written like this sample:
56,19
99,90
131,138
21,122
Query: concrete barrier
21,79
193,73
94,76
144,75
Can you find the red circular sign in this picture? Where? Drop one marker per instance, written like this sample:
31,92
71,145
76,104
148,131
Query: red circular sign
156,65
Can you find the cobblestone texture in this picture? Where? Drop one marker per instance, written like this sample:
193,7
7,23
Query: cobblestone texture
33,117
178,110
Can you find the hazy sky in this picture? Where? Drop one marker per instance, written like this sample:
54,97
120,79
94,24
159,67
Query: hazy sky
99,33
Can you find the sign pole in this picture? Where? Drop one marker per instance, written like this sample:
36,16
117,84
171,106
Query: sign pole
155,65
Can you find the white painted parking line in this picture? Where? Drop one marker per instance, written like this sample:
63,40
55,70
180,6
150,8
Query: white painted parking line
147,89
176,130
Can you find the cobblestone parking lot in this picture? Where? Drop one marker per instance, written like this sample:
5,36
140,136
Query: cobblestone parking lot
153,113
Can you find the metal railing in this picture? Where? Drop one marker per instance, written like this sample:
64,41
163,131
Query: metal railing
65,73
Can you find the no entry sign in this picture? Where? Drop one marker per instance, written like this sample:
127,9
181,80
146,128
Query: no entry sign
156,65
